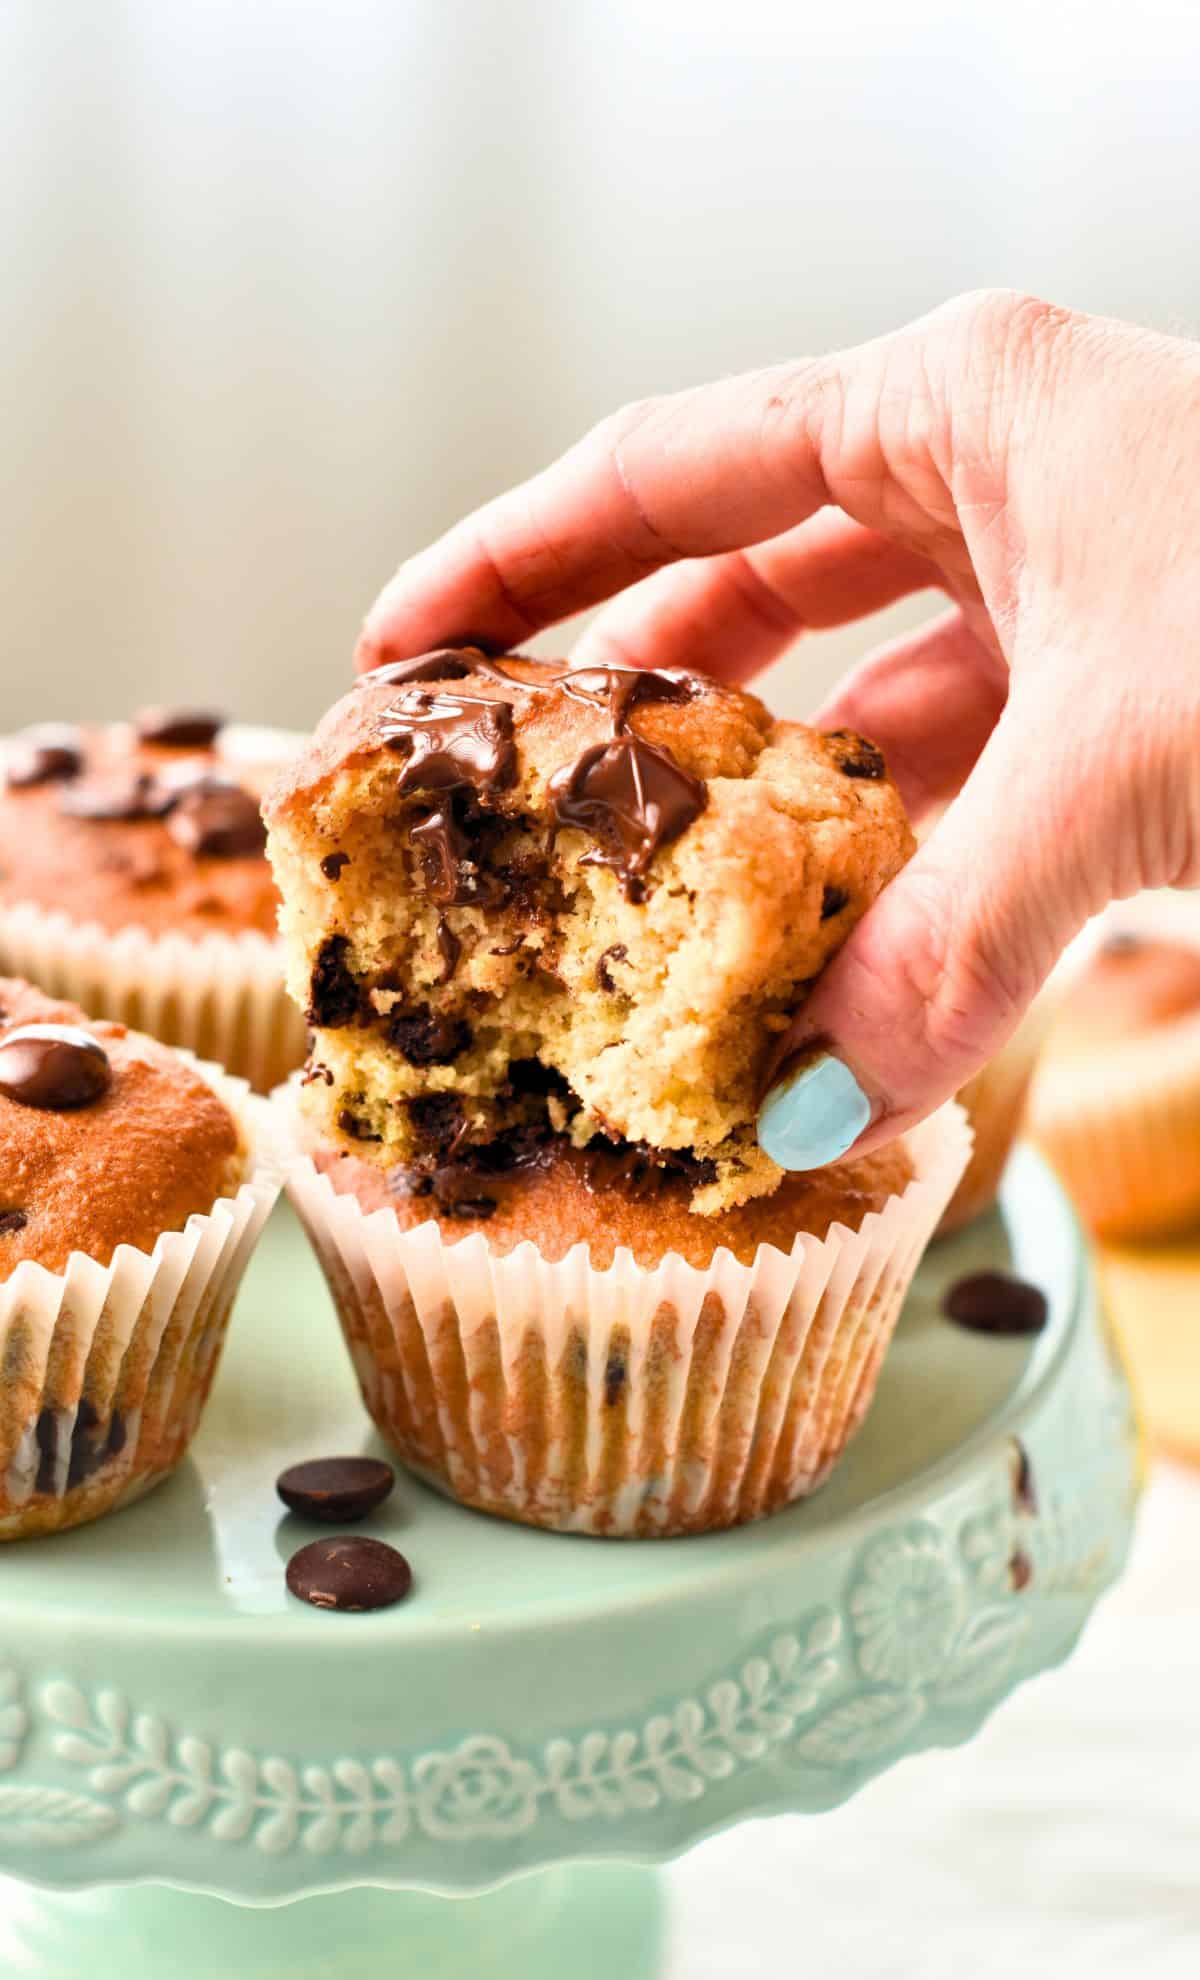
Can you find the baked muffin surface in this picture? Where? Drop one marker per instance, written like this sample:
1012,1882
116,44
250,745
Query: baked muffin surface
138,1155
124,832
514,892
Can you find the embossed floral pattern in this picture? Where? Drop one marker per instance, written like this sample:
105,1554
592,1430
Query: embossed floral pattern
905,1607
14,1720
479,1790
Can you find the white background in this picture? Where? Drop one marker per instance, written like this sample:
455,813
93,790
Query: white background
288,284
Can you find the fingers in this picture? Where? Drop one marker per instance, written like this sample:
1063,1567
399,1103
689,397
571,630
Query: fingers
695,475
930,700
940,971
731,615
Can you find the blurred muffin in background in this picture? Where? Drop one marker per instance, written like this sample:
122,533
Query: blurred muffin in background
995,1102
1116,1101
133,880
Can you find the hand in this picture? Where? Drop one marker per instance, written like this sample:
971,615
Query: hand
1039,467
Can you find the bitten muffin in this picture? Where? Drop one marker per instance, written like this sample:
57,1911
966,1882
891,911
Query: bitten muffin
514,892
133,879
1116,1101
130,1192
549,926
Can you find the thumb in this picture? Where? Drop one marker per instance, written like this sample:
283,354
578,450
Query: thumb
940,971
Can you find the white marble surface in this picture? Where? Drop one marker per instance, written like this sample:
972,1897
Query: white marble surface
1064,1841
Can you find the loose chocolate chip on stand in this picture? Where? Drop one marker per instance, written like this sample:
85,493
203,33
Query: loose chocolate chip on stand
218,823
332,864
55,1066
178,728
12,1221
857,757
335,1489
833,900
996,1303
350,1572
51,753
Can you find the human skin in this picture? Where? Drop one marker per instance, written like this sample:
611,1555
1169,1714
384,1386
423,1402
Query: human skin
1039,467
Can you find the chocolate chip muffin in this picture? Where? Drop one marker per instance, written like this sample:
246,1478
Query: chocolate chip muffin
131,1189
548,927
133,878
1116,1100
515,893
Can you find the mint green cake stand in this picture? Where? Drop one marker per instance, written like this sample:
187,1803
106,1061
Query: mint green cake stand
481,1781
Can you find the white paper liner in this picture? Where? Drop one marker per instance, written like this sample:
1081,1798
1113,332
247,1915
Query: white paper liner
1121,1125
135,1342
624,1401
217,995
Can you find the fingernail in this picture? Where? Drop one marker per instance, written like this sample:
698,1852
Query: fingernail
813,1114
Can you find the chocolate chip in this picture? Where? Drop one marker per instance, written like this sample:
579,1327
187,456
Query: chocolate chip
996,1303
437,1120
93,1444
335,1489
352,1573
315,1070
833,900
631,798
604,976
333,994
49,754
332,864
214,822
449,948
426,1039
355,1128
178,728
55,1066
857,757
12,1221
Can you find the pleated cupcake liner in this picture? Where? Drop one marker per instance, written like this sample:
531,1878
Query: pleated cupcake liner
995,1103
1123,1131
624,1401
107,1368
220,996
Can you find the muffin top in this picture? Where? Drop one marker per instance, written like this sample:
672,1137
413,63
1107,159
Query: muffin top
153,824
563,1196
106,1138
1132,985
515,891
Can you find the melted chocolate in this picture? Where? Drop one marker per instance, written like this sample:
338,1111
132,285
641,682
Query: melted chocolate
427,1038
632,798
629,795
641,1170
333,993
12,1221
49,754
178,728
449,948
604,975
54,1066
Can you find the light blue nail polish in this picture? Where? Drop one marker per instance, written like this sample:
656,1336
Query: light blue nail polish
813,1115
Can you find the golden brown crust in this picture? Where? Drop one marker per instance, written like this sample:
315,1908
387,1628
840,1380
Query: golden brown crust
564,1203
159,1146
120,873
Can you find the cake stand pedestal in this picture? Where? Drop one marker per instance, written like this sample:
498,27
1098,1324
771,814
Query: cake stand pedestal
199,1775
